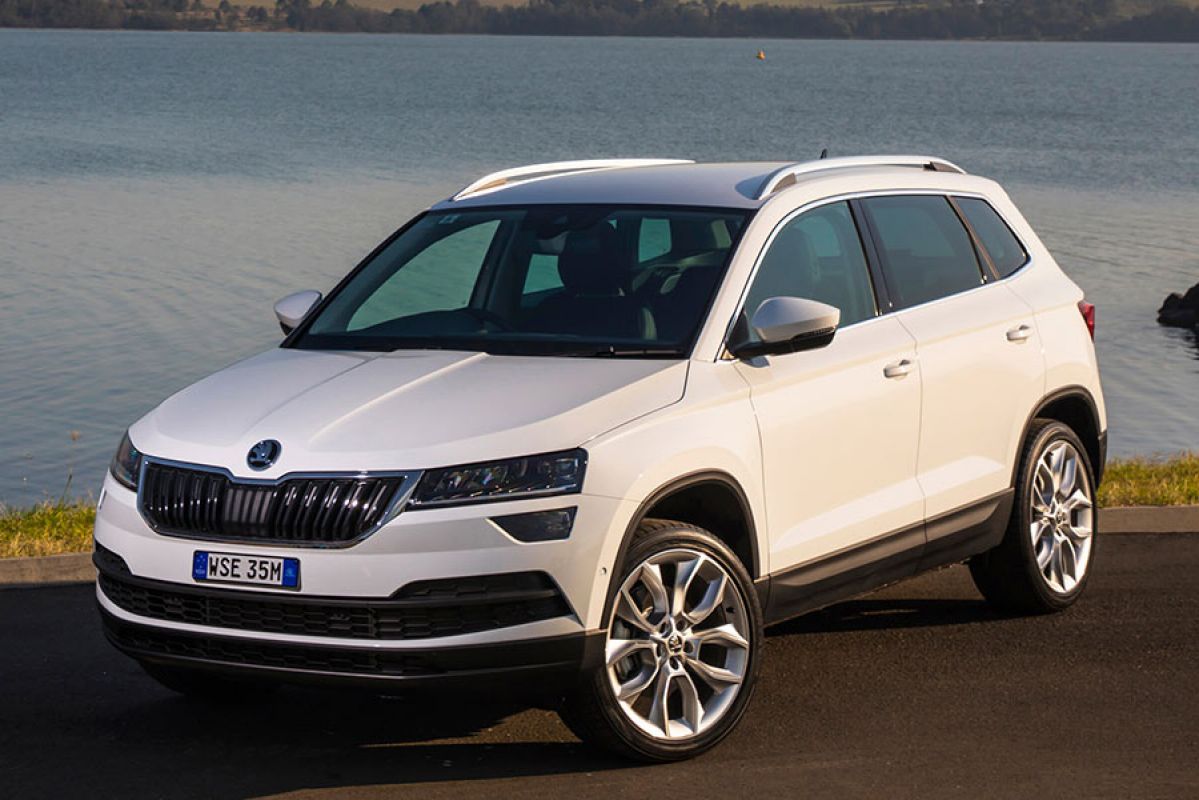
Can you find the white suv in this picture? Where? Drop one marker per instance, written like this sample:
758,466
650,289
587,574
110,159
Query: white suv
586,427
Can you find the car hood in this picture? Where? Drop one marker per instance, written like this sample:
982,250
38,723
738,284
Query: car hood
338,411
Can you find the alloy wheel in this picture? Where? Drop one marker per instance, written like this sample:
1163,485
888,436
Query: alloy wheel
1062,517
677,649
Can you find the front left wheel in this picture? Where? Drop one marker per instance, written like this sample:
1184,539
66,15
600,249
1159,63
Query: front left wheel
680,651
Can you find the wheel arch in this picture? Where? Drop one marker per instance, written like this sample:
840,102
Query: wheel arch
1075,407
710,499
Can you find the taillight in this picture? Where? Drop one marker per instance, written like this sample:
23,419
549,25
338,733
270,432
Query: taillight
1088,314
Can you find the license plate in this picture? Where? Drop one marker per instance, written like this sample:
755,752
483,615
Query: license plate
240,568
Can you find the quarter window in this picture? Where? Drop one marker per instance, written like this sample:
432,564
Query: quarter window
925,248
817,256
1005,250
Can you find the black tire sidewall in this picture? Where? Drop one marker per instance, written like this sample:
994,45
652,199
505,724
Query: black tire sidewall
664,537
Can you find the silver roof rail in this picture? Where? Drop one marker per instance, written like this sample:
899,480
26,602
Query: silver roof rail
534,172
789,174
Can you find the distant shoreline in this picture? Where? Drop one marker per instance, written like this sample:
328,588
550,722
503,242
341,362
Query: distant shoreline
508,35
983,20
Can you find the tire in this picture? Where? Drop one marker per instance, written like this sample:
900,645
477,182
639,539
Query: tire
1010,576
208,686
702,658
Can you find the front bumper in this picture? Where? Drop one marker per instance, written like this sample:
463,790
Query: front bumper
534,668
223,630
365,614
417,545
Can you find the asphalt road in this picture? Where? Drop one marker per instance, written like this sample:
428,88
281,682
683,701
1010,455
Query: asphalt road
918,691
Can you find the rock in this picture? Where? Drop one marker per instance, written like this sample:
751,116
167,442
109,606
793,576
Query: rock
1181,311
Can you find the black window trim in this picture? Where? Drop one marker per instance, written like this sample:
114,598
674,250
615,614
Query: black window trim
883,291
978,243
986,264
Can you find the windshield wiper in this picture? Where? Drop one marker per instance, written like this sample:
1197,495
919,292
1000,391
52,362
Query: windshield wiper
624,352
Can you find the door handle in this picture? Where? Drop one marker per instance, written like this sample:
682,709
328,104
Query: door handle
897,369
1019,334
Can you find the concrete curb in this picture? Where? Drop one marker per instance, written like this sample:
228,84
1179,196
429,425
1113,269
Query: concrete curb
46,570
1149,519
77,567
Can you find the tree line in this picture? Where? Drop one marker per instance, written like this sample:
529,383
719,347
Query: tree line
938,19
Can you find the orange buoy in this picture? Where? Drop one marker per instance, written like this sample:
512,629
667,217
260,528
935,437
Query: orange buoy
761,55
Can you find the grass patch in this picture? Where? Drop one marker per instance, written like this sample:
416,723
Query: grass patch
47,529
1172,481
52,528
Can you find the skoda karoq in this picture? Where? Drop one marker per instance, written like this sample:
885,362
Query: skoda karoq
580,431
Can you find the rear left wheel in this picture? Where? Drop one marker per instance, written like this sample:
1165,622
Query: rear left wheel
1045,558
680,649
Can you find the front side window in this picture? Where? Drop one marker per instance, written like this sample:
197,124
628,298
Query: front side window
816,256
925,249
554,280
1005,250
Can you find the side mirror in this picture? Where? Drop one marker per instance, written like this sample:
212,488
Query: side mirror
291,310
788,325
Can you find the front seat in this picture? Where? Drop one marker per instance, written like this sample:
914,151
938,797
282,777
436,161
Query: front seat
593,302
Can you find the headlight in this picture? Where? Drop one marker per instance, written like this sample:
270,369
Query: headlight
126,465
533,476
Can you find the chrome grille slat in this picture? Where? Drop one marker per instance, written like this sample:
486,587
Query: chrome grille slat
306,510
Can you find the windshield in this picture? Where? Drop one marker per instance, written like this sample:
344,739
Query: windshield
543,280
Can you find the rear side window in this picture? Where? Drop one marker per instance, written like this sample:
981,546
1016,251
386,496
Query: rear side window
1005,250
925,248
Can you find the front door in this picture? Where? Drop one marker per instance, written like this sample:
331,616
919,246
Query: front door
839,425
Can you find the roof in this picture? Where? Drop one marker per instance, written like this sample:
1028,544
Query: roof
745,185
728,185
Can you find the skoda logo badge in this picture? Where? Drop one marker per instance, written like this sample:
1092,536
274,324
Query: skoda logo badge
263,454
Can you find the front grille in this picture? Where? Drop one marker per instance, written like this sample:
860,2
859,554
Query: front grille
421,610
259,654
304,511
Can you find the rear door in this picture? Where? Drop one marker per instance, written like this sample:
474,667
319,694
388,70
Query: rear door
980,361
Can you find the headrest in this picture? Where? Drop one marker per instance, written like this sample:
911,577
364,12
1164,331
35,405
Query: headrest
696,235
590,261
795,243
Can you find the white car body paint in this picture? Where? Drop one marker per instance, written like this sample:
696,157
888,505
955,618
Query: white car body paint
828,450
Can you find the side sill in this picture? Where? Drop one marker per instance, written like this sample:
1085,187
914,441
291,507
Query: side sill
947,539
864,568
968,531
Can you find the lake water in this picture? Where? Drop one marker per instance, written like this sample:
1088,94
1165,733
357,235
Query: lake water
158,191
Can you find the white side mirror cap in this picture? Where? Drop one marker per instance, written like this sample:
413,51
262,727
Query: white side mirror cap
291,310
784,319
